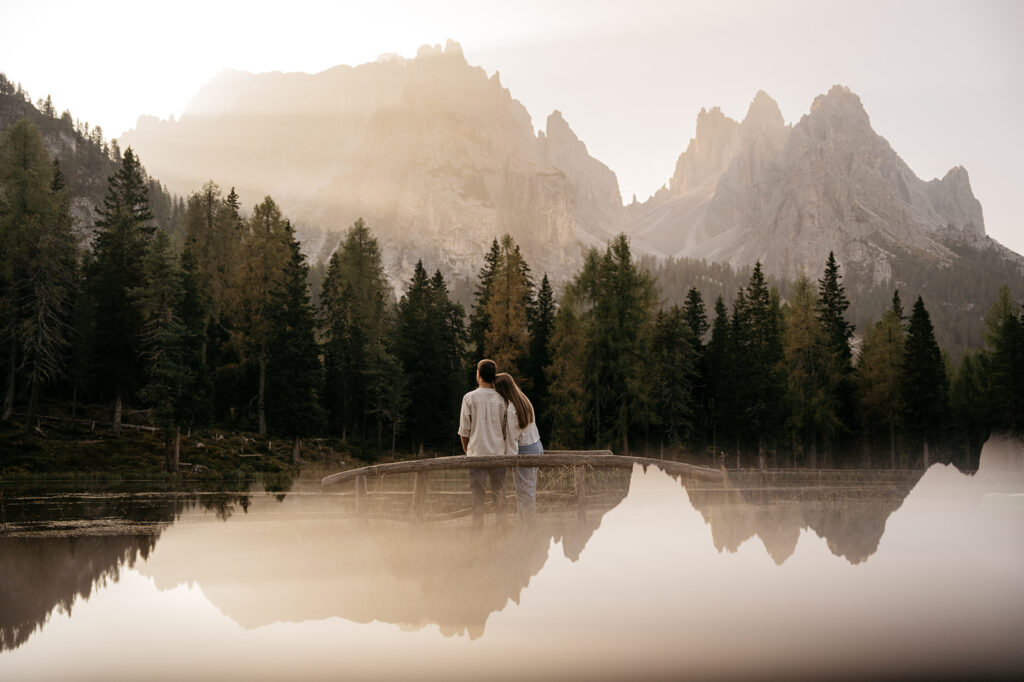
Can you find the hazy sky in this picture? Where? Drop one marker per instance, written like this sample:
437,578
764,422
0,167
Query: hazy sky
943,81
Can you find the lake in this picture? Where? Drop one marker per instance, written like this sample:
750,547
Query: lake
777,574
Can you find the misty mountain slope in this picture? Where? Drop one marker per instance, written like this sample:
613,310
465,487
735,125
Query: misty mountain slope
434,154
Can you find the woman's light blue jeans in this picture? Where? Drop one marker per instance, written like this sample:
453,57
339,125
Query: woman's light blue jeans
525,479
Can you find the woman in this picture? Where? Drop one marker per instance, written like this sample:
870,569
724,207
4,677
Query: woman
522,438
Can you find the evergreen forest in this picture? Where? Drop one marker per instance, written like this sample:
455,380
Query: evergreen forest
195,314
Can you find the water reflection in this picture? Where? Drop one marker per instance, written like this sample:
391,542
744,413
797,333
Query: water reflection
860,574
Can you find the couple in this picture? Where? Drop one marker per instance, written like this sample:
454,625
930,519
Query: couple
498,419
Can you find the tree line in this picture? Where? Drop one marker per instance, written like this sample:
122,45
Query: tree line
218,327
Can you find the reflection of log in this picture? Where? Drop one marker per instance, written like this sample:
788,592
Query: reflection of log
600,459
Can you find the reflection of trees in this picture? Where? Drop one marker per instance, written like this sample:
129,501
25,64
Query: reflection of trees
38,575
58,548
848,509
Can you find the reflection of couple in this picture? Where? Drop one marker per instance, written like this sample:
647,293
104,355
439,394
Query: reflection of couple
498,419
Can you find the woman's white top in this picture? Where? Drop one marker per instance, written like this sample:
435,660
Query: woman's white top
516,436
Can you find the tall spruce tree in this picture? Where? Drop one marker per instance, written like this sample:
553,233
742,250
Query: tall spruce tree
697,323
122,237
925,387
811,372
49,292
478,319
509,301
879,375
672,375
757,345
356,323
294,374
1004,353
163,340
542,325
832,307
35,261
267,250
429,338
719,374
566,376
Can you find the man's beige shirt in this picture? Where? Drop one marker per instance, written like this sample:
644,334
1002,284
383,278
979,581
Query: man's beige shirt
483,412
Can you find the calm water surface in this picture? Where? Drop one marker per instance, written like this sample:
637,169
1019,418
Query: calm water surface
777,575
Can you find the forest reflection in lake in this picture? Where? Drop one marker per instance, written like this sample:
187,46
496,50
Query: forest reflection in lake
855,574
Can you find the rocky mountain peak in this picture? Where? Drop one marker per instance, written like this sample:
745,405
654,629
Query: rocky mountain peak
709,152
840,108
763,115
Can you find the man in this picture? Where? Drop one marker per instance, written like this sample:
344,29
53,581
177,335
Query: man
480,428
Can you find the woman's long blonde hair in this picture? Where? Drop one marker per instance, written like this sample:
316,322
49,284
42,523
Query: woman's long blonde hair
506,386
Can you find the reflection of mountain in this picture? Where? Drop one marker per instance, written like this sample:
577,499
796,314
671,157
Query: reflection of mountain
291,568
846,508
56,549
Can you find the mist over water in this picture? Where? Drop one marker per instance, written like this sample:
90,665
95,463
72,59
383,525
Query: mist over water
805,574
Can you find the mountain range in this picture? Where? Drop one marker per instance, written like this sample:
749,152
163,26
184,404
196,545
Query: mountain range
439,158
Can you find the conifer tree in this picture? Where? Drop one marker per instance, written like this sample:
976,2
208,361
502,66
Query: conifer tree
48,294
969,405
122,237
542,324
757,347
719,373
1004,353
478,320
293,379
697,323
832,307
879,374
671,375
567,401
509,300
26,210
429,336
266,252
811,372
924,389
163,339
356,320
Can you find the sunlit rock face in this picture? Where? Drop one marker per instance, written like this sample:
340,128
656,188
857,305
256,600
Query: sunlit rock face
760,190
434,154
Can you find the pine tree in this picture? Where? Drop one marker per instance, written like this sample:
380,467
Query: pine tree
719,374
879,374
356,322
266,252
429,336
671,375
757,347
969,407
832,307
542,325
122,236
811,372
509,300
566,376
478,320
924,389
1004,353
697,323
26,205
163,340
294,374
49,290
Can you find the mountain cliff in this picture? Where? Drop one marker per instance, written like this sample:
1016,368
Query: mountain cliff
761,190
434,154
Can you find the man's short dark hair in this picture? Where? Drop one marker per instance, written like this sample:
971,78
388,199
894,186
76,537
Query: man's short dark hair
488,370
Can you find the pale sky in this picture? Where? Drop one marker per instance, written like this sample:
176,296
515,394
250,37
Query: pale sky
942,80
